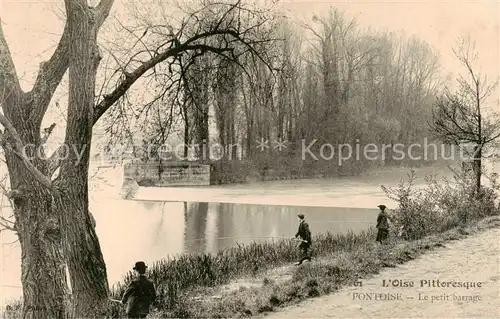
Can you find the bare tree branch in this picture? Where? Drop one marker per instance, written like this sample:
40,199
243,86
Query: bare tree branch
9,81
131,78
48,78
18,150
102,12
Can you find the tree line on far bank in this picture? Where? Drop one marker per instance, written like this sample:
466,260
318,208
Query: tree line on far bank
327,79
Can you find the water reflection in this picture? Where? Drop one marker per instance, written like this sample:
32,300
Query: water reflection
228,224
195,240
159,229
149,230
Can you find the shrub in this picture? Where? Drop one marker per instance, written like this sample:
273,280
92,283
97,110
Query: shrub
439,206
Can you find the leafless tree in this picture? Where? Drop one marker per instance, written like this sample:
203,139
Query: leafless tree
51,213
460,117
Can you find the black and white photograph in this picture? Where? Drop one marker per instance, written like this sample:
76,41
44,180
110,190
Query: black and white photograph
249,159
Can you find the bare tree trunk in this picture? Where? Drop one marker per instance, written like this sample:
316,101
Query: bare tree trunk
201,133
81,245
43,273
232,136
43,270
249,120
186,138
199,77
225,86
478,169
185,112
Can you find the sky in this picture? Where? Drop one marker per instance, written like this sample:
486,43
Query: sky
32,28
439,23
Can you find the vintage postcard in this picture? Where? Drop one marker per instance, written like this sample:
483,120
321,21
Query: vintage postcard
249,158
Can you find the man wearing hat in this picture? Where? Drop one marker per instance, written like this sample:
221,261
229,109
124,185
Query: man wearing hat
139,294
305,235
382,225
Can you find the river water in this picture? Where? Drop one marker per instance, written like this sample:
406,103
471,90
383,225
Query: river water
169,221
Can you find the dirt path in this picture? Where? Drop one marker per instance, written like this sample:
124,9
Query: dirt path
473,259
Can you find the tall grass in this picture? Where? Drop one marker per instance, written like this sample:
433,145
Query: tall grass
175,278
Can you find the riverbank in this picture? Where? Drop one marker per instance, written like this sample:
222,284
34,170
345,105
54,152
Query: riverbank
267,167
474,259
241,172
288,285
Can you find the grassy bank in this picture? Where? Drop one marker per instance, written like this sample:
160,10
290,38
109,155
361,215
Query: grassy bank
340,260
179,279
325,275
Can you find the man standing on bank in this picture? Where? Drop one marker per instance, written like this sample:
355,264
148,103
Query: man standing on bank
382,225
139,294
305,235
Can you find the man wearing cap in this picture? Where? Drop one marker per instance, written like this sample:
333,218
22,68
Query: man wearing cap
305,234
382,225
139,294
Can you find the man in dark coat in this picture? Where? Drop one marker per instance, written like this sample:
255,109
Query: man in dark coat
382,225
305,235
139,294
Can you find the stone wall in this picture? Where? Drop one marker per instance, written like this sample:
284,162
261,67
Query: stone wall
172,173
